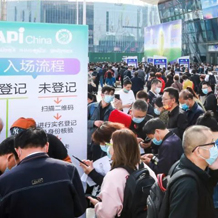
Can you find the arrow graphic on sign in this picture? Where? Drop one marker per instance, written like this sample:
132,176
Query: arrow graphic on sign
57,101
57,117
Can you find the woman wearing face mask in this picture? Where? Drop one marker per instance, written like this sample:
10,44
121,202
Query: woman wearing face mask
102,137
125,152
159,110
127,96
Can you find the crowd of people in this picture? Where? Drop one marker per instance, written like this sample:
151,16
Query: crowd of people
172,115
152,125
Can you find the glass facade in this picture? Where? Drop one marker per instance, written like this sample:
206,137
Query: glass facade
113,28
197,33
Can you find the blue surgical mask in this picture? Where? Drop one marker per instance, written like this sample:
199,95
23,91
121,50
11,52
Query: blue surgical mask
213,155
156,111
108,152
104,148
6,170
108,98
205,91
125,90
137,120
157,90
156,142
185,107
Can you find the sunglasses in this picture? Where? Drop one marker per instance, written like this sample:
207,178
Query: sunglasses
212,143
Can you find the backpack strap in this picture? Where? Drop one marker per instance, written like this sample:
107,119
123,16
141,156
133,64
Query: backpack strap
164,212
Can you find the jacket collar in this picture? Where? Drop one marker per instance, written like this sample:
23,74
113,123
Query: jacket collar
34,156
174,111
186,163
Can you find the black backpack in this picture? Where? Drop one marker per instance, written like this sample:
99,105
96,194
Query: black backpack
158,200
136,192
212,80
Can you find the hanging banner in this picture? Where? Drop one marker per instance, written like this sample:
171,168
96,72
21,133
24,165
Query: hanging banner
43,75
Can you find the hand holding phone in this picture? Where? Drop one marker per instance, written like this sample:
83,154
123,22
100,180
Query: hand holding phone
80,160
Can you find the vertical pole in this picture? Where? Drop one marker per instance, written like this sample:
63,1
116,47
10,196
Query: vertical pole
84,12
77,12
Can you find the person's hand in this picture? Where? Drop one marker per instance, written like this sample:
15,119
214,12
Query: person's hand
93,200
139,140
145,145
98,123
146,158
118,104
86,169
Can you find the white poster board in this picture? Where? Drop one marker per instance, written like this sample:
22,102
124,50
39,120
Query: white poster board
43,75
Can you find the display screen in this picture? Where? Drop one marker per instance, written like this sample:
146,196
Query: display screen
164,40
210,8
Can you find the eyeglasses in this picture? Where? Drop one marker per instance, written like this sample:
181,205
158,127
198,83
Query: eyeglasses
212,143
166,99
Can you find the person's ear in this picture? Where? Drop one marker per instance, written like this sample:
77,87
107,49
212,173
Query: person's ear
9,156
148,101
46,147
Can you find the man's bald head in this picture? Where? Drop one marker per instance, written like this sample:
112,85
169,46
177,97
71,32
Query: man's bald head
1,124
194,136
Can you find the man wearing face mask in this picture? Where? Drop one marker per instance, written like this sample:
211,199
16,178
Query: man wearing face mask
126,96
169,146
99,112
188,197
178,121
210,101
156,86
8,155
191,108
139,118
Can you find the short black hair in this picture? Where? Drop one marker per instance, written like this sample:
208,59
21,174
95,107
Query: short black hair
140,105
184,77
7,147
142,94
152,125
127,82
90,96
107,88
31,138
206,83
173,93
208,119
155,81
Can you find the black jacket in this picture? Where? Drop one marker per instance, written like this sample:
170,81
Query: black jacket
210,102
193,114
137,84
151,97
169,152
187,199
41,187
177,121
196,80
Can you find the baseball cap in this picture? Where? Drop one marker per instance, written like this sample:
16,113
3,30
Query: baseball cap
22,124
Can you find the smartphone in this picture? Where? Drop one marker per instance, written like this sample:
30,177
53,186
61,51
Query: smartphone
117,96
79,160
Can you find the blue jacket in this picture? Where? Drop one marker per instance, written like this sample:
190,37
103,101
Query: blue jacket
43,187
93,115
169,152
193,114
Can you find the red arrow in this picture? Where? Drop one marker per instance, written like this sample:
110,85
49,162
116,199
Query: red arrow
57,117
58,138
57,101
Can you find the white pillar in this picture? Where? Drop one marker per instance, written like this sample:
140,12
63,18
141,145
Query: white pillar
84,12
